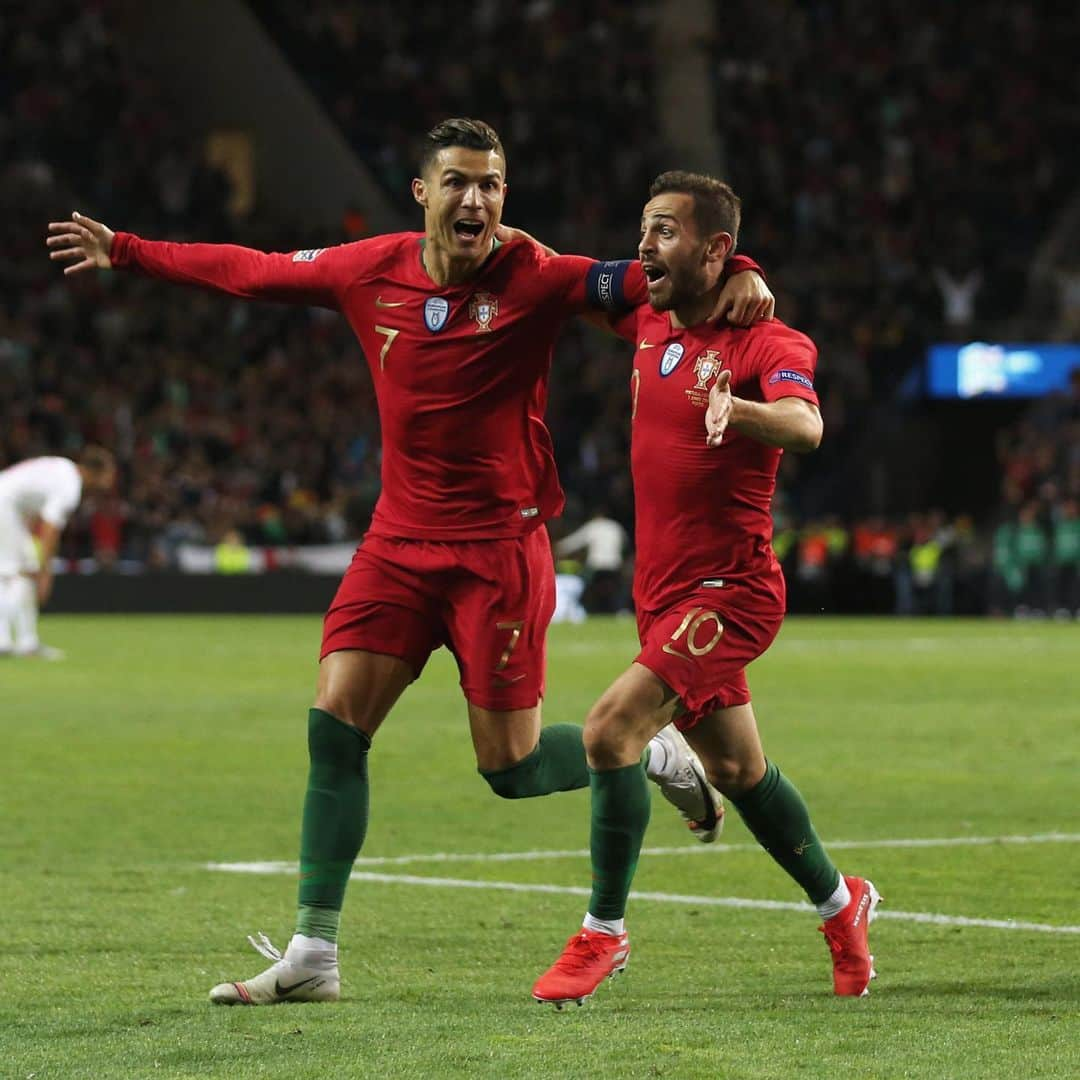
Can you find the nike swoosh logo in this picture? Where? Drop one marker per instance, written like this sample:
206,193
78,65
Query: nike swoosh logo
281,991
502,680
647,344
380,302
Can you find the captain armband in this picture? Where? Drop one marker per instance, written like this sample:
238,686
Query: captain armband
604,285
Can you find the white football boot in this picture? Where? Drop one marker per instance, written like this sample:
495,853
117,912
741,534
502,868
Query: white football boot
299,975
682,782
41,651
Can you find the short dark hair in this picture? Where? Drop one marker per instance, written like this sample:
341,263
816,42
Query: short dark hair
716,207
460,131
96,460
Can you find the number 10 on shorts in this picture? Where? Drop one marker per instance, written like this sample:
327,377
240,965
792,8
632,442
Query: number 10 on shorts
697,627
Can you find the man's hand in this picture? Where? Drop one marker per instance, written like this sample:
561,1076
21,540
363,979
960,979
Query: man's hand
80,238
718,414
746,299
505,233
44,586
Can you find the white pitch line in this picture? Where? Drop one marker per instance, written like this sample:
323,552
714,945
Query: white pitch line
702,849
659,897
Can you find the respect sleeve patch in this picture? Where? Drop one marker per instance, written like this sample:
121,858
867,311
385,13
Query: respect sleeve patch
604,285
790,376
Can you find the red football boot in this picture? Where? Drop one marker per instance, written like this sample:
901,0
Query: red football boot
588,959
846,933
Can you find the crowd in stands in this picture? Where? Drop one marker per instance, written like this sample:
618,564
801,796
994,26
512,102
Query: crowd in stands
569,87
885,208
1036,544
933,146
223,415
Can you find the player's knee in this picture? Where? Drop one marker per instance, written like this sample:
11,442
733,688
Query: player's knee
342,707
731,776
518,781
611,735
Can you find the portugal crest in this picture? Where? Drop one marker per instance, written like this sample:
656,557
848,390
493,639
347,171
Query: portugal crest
706,367
436,313
483,309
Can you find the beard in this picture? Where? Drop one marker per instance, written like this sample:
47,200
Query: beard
681,287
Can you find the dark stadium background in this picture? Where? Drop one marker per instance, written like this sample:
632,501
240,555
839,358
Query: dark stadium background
889,156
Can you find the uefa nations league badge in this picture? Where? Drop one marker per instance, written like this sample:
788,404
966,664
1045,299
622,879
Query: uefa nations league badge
436,313
670,360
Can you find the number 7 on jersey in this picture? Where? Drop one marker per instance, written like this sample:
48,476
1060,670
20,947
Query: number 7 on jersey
390,335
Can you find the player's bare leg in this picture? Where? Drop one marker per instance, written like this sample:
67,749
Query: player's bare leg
503,737
729,746
520,760
23,603
630,714
356,691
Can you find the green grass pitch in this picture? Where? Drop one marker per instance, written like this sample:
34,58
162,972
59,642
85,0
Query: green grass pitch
162,745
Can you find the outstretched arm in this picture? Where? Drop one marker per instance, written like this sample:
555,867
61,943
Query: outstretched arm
84,243
792,423
49,538
304,277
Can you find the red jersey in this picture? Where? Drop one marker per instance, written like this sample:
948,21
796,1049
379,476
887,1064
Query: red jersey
703,514
460,371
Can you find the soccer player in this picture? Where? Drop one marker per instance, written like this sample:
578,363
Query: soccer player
458,331
709,591
42,491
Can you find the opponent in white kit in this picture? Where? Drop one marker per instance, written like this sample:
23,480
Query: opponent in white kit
42,491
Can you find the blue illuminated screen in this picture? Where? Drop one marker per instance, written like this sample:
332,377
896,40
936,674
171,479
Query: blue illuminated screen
993,370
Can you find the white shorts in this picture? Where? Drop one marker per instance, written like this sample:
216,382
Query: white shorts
18,552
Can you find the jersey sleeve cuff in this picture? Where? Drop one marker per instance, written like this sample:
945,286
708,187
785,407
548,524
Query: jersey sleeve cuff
737,264
120,253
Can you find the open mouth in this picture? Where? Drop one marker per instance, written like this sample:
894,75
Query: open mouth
468,229
653,274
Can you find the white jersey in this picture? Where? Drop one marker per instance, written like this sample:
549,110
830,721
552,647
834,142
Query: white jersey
48,488
45,487
604,541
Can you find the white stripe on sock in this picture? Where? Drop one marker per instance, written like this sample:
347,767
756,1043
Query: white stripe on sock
840,898
614,927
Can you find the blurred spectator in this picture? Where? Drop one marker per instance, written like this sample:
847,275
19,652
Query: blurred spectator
959,292
876,548
925,572
231,555
1007,579
604,543
1035,546
1032,549
1066,560
820,550
569,587
1068,283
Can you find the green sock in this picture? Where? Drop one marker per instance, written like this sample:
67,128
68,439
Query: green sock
776,814
557,764
334,823
620,815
